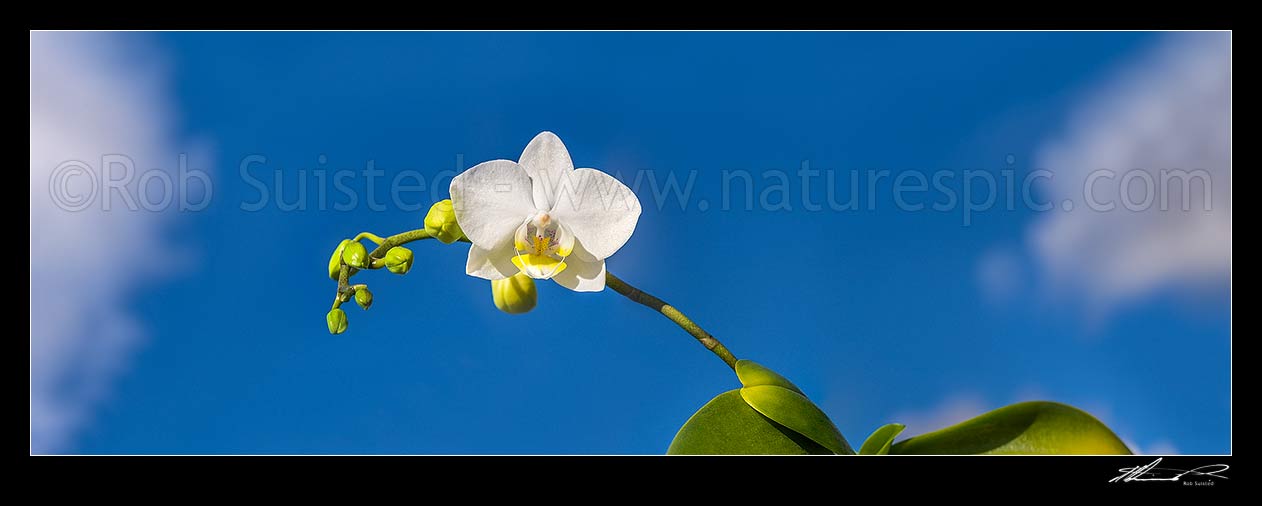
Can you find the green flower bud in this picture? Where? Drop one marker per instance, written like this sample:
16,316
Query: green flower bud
399,260
335,261
514,295
363,297
441,222
337,321
355,255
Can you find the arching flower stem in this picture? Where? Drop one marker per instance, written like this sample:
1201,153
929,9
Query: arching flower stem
672,314
345,290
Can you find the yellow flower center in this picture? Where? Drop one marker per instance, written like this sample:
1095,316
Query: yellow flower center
542,246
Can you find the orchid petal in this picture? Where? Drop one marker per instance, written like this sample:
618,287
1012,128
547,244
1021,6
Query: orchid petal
598,209
582,275
491,264
547,162
491,200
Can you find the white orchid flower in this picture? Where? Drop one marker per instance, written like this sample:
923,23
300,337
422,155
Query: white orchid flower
542,217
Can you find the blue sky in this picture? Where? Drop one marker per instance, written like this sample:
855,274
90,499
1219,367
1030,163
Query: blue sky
880,314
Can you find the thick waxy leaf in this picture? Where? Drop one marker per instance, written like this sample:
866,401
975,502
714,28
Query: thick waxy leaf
795,411
754,374
727,425
1038,427
881,439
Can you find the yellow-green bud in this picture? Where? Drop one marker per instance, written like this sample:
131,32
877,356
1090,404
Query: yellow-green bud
335,262
441,222
399,260
363,297
337,321
514,295
355,255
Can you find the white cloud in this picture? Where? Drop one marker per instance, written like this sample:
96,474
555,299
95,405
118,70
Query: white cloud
92,94
1169,110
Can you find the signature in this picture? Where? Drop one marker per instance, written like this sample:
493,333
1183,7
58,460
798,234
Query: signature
1151,472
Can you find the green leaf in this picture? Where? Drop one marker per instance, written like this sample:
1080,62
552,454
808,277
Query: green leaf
881,439
1027,428
728,426
793,410
754,374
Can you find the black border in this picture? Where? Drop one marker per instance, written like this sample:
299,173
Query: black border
755,476
899,476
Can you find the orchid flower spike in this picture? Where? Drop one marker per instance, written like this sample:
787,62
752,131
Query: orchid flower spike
542,217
